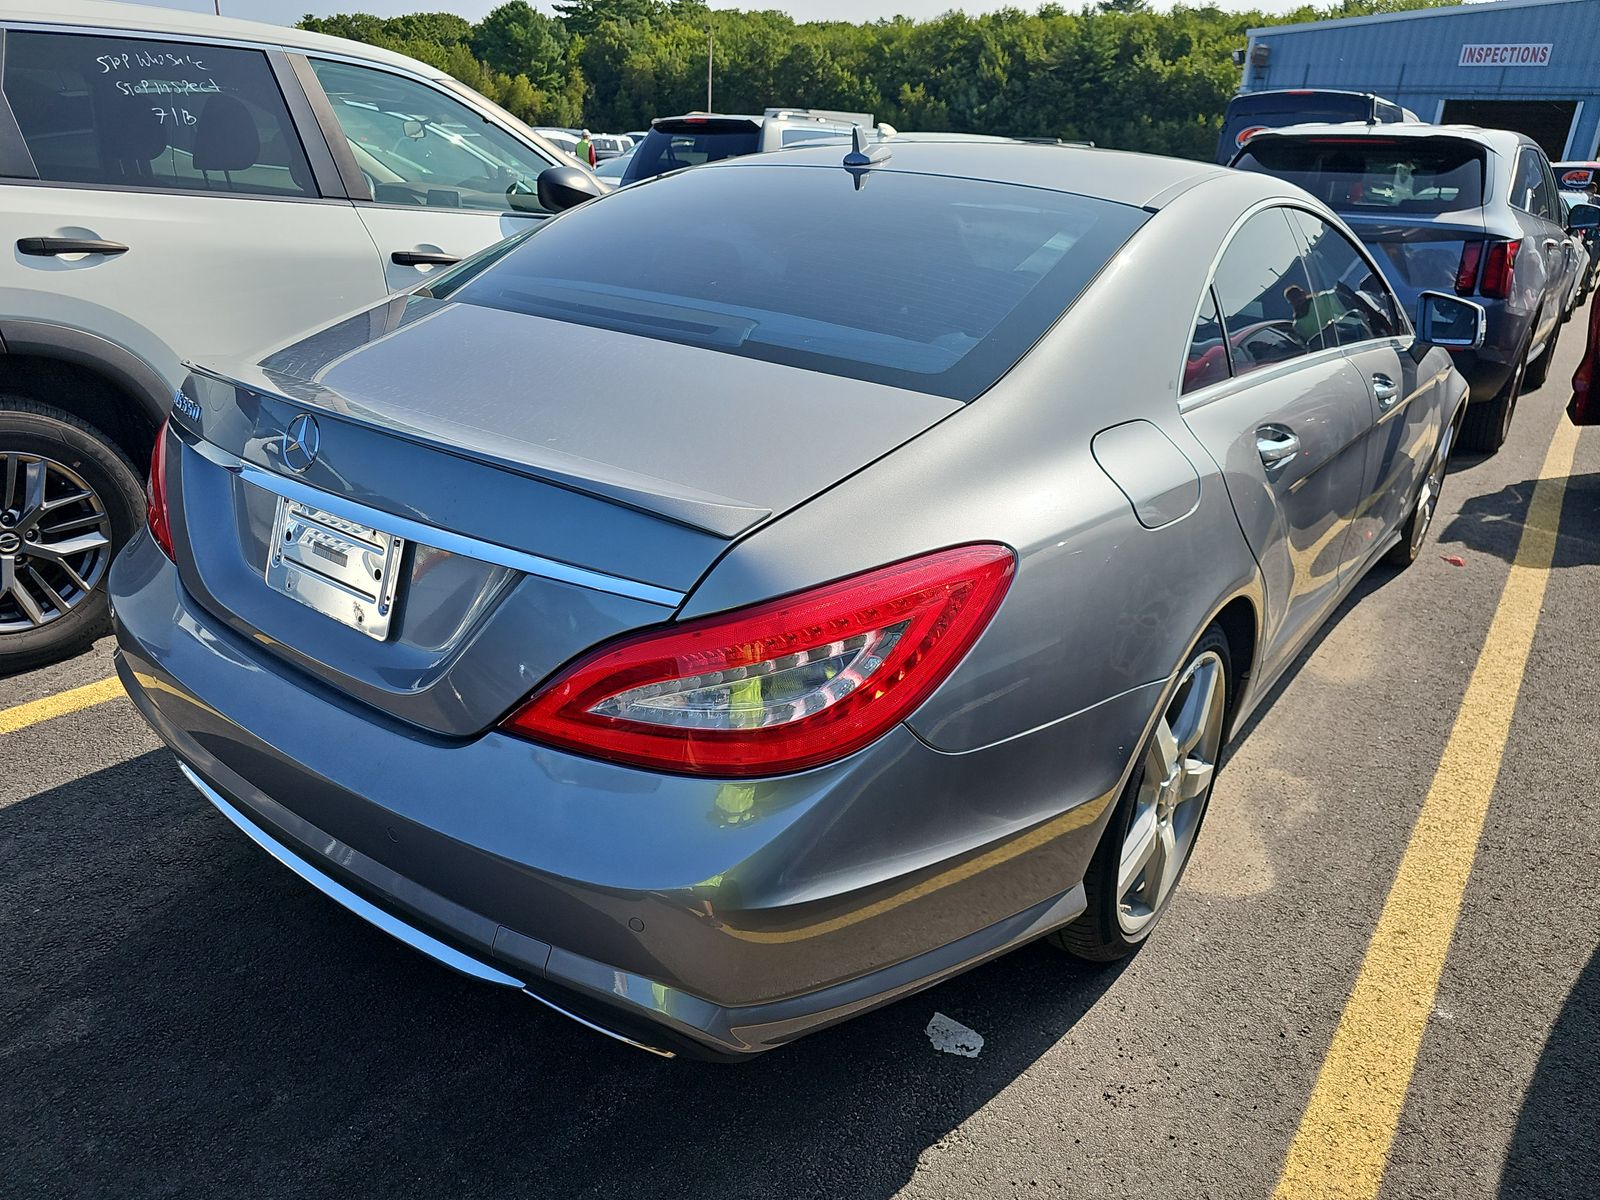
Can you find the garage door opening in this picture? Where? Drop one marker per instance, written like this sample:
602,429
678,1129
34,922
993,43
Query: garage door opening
1548,122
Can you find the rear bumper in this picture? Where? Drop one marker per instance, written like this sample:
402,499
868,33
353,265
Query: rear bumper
682,915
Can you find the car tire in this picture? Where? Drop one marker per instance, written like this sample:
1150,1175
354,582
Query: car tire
1414,531
1486,425
67,455
1539,369
1125,905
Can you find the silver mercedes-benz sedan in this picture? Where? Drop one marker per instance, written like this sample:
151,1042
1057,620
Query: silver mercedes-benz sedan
763,592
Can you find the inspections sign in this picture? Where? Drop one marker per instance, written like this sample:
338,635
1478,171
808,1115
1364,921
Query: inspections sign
1505,54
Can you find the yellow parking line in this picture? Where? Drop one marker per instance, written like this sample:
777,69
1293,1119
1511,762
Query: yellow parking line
59,705
1343,1141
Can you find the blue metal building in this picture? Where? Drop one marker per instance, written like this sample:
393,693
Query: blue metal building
1530,65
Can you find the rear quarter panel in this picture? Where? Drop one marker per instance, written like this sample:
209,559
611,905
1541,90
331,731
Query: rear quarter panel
1100,604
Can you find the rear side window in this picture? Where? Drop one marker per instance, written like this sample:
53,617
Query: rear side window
1207,362
661,152
131,112
1533,187
1269,309
927,282
1362,174
1355,301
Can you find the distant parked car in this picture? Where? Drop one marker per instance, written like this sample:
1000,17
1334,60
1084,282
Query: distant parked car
567,139
257,181
697,138
1451,208
1249,113
1588,239
1575,176
610,145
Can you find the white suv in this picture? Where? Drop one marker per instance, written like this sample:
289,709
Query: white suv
179,186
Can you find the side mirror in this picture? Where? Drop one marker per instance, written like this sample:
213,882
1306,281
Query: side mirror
1446,320
561,188
1583,216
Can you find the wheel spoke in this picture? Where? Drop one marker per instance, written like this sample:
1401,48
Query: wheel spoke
62,501
93,520
10,585
1157,888
11,482
69,547
1194,717
1141,844
32,492
1197,775
44,586
1165,754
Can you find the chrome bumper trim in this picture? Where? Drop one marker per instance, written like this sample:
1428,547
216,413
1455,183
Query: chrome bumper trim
432,535
337,892
588,1024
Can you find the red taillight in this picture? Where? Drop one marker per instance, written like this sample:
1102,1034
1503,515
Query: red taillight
1498,268
155,495
783,685
1467,272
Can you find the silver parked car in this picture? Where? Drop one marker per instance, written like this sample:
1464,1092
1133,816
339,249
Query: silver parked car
714,638
1458,209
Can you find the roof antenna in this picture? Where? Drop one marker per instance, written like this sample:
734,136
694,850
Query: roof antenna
863,157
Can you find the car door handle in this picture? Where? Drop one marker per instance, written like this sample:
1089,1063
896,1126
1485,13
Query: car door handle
423,258
1385,390
1551,243
1277,446
49,247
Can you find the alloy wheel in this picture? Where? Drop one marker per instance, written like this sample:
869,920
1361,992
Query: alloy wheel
1178,769
1428,498
55,540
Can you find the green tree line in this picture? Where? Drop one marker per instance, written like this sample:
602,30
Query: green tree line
1117,74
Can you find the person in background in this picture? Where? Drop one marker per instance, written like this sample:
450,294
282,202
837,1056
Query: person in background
585,149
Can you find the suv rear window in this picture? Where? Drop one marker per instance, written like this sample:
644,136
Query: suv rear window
663,151
926,282
1360,174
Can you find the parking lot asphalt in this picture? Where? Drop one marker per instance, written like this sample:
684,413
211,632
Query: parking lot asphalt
180,1016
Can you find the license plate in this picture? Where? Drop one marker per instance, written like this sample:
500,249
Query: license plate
346,571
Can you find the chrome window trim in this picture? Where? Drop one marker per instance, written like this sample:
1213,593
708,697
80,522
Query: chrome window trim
432,535
423,943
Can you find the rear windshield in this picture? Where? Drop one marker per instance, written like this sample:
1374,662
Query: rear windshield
662,152
925,282
1360,174
1305,106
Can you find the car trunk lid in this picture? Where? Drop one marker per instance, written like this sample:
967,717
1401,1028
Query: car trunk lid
555,485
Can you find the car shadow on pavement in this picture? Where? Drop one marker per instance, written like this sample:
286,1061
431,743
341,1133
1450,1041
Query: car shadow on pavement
1552,1148
182,1016
1492,523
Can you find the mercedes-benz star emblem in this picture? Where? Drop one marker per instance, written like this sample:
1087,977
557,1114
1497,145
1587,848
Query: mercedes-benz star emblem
300,443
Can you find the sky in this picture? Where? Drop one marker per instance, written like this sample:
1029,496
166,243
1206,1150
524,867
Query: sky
287,12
